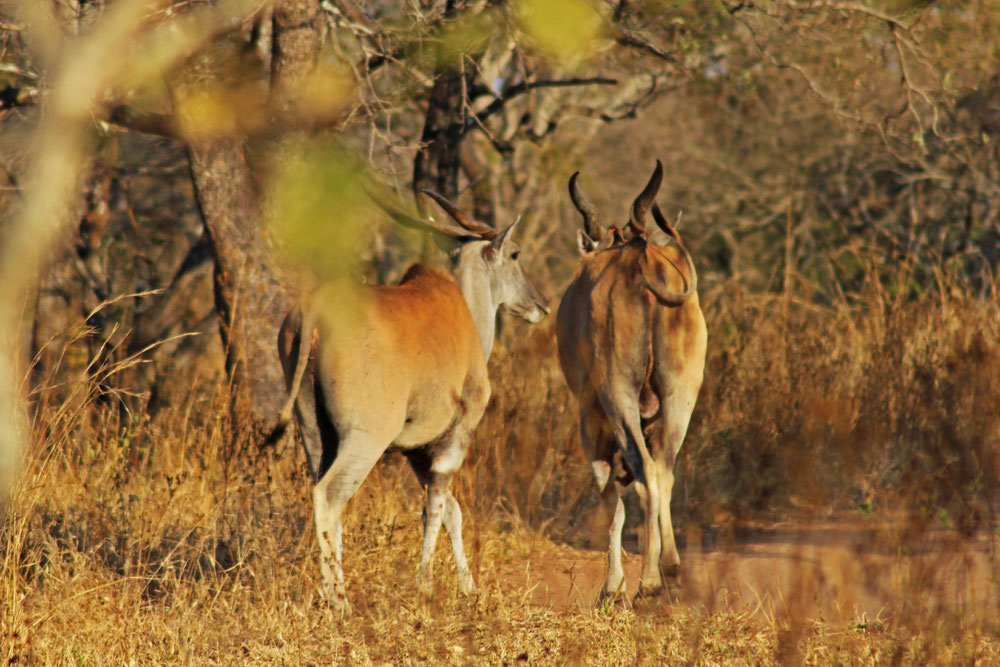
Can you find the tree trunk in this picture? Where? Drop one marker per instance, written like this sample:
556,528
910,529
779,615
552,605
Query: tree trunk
295,44
438,160
436,165
249,298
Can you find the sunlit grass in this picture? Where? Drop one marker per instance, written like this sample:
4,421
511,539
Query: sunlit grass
183,553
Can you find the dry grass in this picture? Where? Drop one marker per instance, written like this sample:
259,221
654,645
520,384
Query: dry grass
137,541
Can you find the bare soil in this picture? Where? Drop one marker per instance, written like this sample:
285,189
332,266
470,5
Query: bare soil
849,569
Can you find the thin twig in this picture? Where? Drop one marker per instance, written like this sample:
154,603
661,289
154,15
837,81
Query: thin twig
11,68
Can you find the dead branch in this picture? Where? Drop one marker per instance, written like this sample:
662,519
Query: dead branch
519,89
130,118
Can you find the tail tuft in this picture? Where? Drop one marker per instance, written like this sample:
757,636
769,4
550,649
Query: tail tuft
276,433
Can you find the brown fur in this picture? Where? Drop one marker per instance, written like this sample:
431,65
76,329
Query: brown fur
413,345
635,362
404,367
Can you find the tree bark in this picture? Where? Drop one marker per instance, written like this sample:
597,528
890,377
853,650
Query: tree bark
250,298
438,160
295,44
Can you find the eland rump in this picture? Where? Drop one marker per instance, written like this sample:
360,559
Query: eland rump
401,367
631,341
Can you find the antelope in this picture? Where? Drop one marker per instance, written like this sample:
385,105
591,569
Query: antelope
401,367
631,343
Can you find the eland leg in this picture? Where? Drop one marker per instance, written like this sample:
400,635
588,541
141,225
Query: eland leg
627,428
675,424
445,458
670,560
599,447
356,457
453,524
678,401
439,496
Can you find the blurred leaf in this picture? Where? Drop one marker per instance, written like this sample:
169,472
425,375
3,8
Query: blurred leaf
326,92
318,208
564,30
211,111
467,36
166,43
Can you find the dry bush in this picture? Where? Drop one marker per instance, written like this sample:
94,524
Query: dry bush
881,399
149,536
153,540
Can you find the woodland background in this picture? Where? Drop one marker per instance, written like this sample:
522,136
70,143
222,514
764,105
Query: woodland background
174,172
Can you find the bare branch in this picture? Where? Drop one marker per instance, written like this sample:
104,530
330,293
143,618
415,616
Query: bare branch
11,68
735,9
857,8
633,40
129,118
814,85
621,9
519,89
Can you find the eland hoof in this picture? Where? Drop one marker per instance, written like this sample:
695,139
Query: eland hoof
425,583
466,584
647,592
614,598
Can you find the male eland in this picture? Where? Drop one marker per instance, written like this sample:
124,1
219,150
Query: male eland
631,340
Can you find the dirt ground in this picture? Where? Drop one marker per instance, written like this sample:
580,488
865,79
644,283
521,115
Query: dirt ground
850,569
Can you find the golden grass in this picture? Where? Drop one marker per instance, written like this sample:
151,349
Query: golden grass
136,541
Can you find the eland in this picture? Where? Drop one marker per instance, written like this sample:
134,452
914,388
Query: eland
631,342
401,367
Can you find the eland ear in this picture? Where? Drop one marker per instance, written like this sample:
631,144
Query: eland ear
664,224
498,242
584,243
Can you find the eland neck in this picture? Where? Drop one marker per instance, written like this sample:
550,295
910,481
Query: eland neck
474,283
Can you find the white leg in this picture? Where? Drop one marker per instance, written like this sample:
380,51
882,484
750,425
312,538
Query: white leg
356,458
677,410
453,524
650,582
602,473
433,516
440,499
614,585
628,433
599,446
670,560
329,534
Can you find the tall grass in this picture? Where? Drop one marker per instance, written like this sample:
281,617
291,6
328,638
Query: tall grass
142,540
